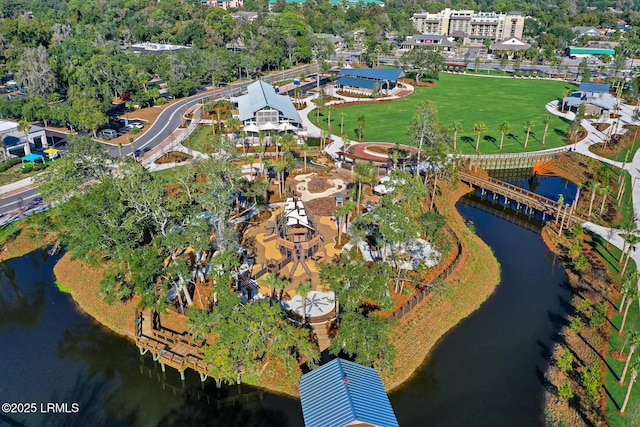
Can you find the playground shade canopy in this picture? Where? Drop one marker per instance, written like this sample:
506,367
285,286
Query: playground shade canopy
32,157
342,393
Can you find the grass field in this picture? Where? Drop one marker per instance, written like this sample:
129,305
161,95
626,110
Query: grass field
469,100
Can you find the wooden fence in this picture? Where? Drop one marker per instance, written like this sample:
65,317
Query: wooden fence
425,288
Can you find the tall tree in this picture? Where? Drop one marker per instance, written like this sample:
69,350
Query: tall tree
303,290
455,127
479,129
528,124
504,128
635,367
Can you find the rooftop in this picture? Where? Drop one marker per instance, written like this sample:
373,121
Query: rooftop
342,393
391,74
262,95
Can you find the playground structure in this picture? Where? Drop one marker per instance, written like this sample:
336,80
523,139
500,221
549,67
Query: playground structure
297,236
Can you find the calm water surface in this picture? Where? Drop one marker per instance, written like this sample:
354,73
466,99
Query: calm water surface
488,371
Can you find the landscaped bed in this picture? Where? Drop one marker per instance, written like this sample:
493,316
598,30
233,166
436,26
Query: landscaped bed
173,156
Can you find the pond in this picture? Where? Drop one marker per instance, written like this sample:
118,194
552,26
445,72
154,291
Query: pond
488,370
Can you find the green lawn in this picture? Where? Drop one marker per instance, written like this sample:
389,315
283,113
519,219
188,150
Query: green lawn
615,392
200,139
468,99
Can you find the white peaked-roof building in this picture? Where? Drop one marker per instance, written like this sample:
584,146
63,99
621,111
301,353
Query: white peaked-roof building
264,108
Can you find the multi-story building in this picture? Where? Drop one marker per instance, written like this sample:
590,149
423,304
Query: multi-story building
470,26
224,4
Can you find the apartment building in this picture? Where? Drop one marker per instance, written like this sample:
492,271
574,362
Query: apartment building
473,27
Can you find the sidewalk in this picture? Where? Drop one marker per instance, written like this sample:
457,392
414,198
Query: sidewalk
16,187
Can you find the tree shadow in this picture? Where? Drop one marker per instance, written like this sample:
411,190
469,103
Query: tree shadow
516,139
491,139
468,140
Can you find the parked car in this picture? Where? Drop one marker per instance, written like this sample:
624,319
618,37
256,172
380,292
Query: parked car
108,133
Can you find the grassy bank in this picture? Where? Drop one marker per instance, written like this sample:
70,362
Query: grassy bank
466,289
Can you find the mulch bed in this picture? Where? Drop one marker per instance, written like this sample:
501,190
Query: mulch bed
172,156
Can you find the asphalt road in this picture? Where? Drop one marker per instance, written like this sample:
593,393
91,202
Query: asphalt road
169,119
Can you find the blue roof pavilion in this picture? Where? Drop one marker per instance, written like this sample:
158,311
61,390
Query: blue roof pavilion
594,87
365,79
342,393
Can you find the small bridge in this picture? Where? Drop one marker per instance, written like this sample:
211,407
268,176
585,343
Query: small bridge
510,192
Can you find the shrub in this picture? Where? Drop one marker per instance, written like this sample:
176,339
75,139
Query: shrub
565,362
598,317
9,163
591,382
581,264
575,325
565,392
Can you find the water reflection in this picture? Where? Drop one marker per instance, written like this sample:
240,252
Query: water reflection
53,352
489,370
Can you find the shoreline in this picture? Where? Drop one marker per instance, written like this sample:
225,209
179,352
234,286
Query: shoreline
434,317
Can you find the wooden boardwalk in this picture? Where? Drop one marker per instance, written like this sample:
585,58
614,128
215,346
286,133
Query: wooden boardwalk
516,194
179,351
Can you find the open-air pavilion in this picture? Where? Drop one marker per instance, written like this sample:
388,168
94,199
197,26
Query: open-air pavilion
366,80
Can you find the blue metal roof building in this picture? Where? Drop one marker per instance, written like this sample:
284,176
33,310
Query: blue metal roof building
341,393
594,87
366,78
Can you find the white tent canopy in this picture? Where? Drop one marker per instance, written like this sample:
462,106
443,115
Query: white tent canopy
252,128
317,303
269,126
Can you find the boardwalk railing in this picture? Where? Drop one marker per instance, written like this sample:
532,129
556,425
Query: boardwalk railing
512,192
511,161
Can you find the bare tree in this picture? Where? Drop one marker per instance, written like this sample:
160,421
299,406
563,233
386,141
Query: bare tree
35,73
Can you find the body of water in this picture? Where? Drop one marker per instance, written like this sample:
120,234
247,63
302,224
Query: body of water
487,371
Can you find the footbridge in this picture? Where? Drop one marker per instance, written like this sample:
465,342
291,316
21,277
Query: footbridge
512,193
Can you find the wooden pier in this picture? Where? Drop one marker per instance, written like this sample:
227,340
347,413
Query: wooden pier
177,350
512,160
512,193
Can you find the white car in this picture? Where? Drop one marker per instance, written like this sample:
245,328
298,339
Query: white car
136,125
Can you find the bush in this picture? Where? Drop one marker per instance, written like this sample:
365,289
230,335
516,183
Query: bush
4,166
591,382
565,362
598,317
564,391
575,325
581,264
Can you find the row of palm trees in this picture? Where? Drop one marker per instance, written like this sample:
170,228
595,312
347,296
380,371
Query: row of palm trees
504,128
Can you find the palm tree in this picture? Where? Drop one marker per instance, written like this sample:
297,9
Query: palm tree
605,191
479,129
363,172
632,295
566,93
560,204
635,366
628,282
546,121
305,148
329,109
628,228
504,129
361,123
260,151
303,290
343,211
24,126
632,240
594,189
455,127
632,349
528,124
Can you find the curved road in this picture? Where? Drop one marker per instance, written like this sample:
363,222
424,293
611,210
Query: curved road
168,120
